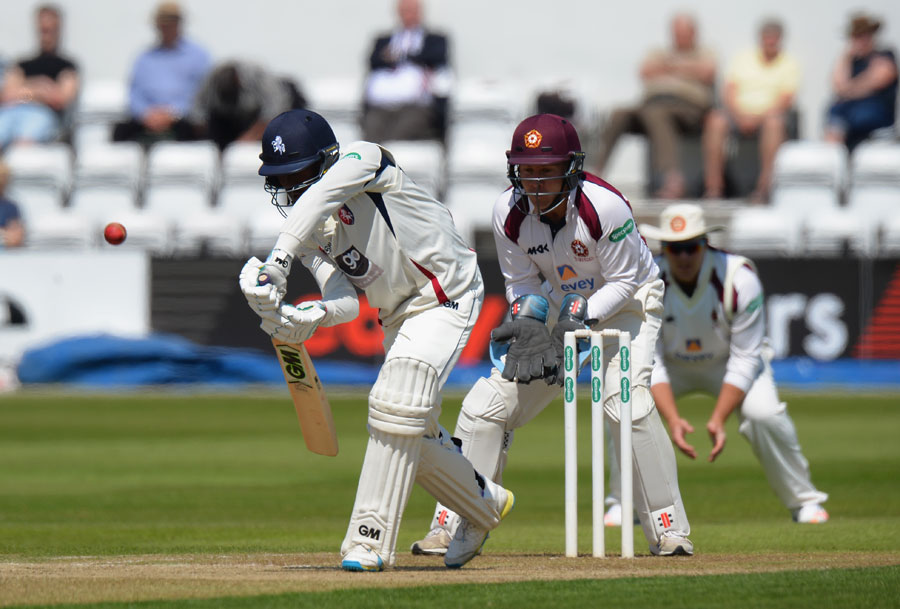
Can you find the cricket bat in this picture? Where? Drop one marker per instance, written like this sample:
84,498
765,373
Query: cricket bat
310,401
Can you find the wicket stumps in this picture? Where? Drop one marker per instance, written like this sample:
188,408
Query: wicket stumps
598,390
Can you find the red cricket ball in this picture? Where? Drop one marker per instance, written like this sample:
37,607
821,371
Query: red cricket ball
114,233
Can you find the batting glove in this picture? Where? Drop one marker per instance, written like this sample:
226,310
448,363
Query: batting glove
293,324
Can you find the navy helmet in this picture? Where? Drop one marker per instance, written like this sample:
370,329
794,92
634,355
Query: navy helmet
293,142
546,139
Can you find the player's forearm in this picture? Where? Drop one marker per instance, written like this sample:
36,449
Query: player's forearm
665,403
730,397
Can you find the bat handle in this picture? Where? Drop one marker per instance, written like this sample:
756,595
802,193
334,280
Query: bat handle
263,279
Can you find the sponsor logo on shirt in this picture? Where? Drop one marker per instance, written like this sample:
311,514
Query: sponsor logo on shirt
352,155
581,284
346,215
580,249
566,272
692,345
359,269
538,249
622,232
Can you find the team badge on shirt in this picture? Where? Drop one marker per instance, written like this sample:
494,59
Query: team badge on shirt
580,249
692,345
533,138
566,272
346,215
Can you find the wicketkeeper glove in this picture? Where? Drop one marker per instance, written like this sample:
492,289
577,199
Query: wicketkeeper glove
572,315
531,355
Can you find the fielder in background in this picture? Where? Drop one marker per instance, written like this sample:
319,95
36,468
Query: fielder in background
713,341
362,222
578,233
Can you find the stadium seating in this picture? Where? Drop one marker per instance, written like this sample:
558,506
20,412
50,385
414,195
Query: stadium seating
41,177
423,161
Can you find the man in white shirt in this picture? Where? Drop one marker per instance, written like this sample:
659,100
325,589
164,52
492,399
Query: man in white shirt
358,220
564,234
713,342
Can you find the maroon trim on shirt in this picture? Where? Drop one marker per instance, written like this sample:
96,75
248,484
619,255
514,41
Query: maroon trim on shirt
438,290
588,215
717,283
589,177
513,222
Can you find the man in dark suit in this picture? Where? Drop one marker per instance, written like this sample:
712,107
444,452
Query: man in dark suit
408,83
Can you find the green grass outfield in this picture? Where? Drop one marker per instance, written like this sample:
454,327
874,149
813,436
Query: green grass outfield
197,475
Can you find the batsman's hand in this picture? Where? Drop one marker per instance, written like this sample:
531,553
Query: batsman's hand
261,298
293,324
717,436
531,355
678,430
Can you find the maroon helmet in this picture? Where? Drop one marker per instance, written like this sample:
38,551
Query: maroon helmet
544,139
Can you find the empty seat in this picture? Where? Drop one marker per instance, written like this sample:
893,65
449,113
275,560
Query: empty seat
102,204
240,163
477,150
62,230
472,204
172,201
421,160
827,232
626,169
212,233
183,162
146,232
488,98
102,101
890,236
809,176
119,163
876,162
262,231
41,165
335,98
762,231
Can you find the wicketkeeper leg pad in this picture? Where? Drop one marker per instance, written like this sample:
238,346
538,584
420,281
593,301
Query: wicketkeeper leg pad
657,498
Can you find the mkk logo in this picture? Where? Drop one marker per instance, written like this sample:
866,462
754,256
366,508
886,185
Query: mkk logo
346,215
538,249
566,272
372,533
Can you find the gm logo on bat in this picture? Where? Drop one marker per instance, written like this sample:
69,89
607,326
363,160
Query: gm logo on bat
293,364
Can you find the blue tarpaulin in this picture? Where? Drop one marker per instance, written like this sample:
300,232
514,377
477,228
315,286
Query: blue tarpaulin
113,361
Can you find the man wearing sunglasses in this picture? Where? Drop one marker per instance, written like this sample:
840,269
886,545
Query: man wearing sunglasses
713,341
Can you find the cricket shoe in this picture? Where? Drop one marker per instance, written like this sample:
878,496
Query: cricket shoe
672,544
469,537
435,543
361,558
812,513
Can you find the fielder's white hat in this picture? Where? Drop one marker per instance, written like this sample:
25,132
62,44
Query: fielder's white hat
679,222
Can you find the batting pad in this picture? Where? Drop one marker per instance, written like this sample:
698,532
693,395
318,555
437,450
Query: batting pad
386,480
403,396
451,479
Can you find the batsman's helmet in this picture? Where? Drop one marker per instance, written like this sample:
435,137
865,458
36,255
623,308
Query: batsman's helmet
546,139
292,142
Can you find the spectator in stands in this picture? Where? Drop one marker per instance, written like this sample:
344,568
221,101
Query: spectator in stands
760,85
164,81
678,93
408,85
39,91
865,85
237,100
12,231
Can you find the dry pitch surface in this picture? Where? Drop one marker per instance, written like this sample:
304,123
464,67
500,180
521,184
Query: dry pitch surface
134,578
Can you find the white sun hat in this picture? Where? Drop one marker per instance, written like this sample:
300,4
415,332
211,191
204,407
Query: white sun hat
679,222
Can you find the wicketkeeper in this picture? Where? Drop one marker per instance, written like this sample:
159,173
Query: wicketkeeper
577,232
713,341
356,219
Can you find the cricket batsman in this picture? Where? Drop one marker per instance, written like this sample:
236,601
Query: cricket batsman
356,220
568,245
713,342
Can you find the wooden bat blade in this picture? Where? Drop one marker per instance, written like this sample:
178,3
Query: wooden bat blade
310,401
